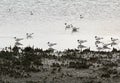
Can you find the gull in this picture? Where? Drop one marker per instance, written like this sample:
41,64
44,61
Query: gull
81,41
81,17
81,46
18,44
29,35
114,43
105,46
98,38
97,42
18,39
68,26
99,48
113,39
51,44
74,29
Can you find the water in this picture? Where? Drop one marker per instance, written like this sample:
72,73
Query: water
47,22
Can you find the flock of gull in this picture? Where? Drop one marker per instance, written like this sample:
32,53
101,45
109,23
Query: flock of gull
105,46
30,35
100,46
98,43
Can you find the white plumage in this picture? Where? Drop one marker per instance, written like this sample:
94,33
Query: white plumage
18,39
81,41
51,44
113,39
98,38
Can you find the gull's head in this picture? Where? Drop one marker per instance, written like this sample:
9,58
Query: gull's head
95,36
65,23
14,37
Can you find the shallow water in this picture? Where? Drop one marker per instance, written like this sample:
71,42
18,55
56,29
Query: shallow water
46,19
